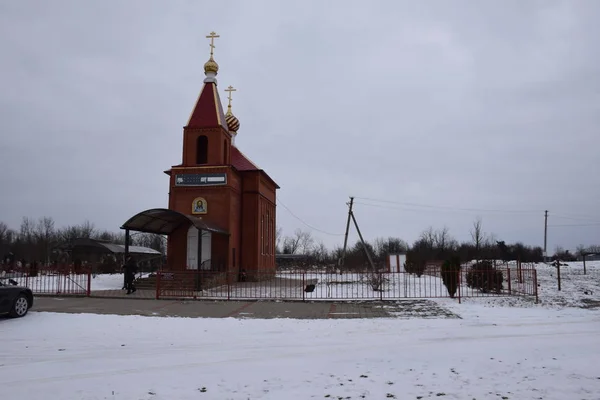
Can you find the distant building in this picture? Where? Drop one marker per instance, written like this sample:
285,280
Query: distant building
590,257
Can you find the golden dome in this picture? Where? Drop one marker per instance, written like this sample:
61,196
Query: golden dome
233,124
211,66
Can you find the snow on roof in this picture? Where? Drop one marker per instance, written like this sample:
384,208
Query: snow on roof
120,248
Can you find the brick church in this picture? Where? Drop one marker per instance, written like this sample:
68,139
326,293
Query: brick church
221,214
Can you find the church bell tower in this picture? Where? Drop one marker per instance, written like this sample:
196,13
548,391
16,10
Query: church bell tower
206,138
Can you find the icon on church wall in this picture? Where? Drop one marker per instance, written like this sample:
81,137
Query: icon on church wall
199,206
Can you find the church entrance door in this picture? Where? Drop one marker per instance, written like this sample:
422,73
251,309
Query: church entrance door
192,247
205,250
199,245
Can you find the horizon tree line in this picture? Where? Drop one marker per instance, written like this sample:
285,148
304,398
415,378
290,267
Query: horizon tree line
38,239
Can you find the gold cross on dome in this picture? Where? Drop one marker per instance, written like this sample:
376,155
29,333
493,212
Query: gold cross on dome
212,36
230,89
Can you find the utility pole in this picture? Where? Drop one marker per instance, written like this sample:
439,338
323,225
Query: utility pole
545,234
363,243
347,229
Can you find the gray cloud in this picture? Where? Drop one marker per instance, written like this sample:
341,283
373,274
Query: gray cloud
458,105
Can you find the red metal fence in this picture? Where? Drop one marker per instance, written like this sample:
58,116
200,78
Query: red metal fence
364,285
59,280
302,285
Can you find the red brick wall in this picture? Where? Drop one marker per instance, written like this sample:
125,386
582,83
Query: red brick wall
219,146
258,243
222,202
245,207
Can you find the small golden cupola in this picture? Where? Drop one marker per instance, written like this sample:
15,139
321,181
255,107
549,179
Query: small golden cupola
233,124
211,68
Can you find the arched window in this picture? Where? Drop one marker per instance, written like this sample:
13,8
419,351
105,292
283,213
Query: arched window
202,150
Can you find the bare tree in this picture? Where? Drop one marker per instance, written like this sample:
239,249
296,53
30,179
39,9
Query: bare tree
70,233
152,241
45,234
320,252
87,229
443,241
581,250
27,230
6,239
428,238
278,239
301,241
307,241
478,236
3,232
383,247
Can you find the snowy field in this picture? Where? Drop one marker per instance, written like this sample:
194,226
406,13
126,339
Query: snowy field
578,290
492,353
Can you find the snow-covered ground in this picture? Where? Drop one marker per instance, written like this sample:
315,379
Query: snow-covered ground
527,351
577,289
492,353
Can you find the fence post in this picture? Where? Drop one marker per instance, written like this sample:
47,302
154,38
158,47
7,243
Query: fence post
89,283
380,286
535,285
158,274
228,285
508,277
558,273
519,271
584,269
303,286
459,284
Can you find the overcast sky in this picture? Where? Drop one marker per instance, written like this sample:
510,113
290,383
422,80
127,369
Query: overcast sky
437,111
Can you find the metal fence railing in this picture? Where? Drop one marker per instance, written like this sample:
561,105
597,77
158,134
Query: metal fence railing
356,285
61,280
502,280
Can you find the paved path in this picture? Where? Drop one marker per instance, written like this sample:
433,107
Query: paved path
243,309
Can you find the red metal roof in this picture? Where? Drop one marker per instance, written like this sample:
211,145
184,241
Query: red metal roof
208,112
241,162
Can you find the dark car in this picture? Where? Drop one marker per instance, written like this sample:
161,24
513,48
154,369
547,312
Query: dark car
14,300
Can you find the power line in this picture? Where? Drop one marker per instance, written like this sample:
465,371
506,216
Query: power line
407,208
307,224
564,216
571,215
557,226
450,208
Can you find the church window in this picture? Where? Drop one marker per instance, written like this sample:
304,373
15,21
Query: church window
202,150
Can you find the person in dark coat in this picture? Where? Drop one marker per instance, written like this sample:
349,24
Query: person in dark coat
130,271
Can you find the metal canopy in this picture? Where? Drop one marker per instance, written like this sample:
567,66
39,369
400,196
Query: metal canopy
102,246
164,221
